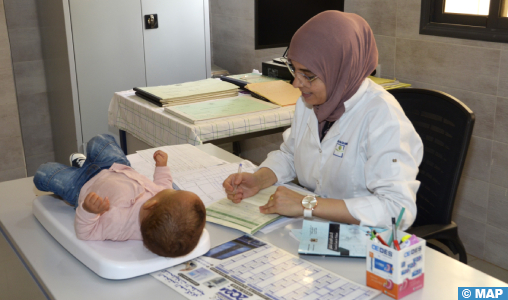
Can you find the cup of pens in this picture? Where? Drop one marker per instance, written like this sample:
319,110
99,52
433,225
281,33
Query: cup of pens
395,262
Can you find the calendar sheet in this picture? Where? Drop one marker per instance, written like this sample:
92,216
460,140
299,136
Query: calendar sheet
250,269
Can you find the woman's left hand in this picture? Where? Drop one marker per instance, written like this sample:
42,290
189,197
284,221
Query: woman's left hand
284,202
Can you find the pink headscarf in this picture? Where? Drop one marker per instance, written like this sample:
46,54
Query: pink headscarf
341,50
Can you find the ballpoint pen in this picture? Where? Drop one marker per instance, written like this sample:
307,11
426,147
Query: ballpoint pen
239,172
380,239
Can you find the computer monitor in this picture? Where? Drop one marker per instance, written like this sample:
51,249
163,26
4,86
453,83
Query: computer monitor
277,20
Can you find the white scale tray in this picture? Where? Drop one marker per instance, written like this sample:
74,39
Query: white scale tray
108,259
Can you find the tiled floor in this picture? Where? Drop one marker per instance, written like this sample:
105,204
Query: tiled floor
17,284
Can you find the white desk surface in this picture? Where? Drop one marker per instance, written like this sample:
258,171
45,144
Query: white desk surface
61,276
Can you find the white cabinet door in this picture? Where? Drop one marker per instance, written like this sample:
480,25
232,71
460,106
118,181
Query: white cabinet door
108,50
176,51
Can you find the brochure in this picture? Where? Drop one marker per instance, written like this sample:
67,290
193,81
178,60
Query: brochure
334,239
248,268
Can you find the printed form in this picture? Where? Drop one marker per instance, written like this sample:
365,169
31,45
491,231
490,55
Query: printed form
207,183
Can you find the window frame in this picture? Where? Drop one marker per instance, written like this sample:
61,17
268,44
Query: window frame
492,28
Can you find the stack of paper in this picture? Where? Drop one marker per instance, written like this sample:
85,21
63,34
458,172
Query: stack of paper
191,92
201,112
181,159
278,92
254,77
389,84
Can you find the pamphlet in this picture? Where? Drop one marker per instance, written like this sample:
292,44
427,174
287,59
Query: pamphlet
334,239
248,268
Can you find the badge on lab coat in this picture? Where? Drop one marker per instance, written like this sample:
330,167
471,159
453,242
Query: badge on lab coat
340,148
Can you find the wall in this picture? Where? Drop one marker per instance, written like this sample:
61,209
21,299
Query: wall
473,71
28,68
232,36
477,74
12,162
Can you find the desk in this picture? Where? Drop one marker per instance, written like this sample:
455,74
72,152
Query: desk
61,276
150,124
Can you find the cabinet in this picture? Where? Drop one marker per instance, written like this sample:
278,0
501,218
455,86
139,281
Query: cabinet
93,48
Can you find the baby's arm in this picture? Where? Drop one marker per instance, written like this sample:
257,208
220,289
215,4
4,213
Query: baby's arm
87,223
162,175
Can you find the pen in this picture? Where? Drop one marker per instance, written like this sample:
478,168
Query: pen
398,223
396,244
380,239
239,172
394,232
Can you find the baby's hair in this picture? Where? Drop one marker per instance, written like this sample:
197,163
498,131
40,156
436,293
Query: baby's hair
173,228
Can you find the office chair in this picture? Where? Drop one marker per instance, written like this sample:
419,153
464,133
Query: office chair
445,126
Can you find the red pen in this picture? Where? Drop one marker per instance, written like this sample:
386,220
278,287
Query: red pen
381,240
396,243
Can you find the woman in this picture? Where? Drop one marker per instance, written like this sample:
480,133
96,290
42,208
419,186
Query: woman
350,142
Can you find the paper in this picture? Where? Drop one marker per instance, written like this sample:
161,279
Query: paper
389,84
207,183
244,216
219,108
254,77
247,268
182,158
189,89
278,92
278,224
139,164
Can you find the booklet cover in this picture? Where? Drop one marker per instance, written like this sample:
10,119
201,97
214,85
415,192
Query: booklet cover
334,239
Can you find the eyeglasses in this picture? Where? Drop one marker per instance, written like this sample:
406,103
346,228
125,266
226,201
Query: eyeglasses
304,79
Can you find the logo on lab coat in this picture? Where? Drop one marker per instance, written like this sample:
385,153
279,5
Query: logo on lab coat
340,148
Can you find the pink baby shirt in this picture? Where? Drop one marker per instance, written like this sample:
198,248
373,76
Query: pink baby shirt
126,190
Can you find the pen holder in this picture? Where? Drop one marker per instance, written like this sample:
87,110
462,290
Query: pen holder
395,273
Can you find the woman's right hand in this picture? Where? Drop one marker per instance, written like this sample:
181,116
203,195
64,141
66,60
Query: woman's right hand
247,185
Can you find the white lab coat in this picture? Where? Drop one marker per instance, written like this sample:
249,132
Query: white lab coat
369,157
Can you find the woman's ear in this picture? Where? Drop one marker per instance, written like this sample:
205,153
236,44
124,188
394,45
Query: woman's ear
150,204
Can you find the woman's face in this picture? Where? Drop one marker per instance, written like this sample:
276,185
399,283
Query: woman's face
314,92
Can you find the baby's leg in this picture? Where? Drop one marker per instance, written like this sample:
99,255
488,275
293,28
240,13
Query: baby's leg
62,180
103,151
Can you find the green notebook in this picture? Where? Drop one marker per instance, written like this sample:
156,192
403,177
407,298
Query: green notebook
214,109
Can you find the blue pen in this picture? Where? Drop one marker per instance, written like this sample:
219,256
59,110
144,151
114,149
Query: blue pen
397,225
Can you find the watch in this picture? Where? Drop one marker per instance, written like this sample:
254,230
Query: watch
309,202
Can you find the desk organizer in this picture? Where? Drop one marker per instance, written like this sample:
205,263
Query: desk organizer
395,273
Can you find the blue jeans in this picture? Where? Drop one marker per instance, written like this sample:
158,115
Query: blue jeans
66,182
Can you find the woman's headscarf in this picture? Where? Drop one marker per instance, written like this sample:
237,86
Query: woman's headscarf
341,50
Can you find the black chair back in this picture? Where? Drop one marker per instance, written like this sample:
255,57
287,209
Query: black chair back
445,126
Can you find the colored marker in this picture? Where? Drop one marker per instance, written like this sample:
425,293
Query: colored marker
405,238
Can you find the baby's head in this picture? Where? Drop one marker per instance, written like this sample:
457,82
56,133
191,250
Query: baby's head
172,222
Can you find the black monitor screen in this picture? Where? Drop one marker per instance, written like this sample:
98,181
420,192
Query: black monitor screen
277,20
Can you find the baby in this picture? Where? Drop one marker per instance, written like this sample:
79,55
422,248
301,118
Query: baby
114,202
